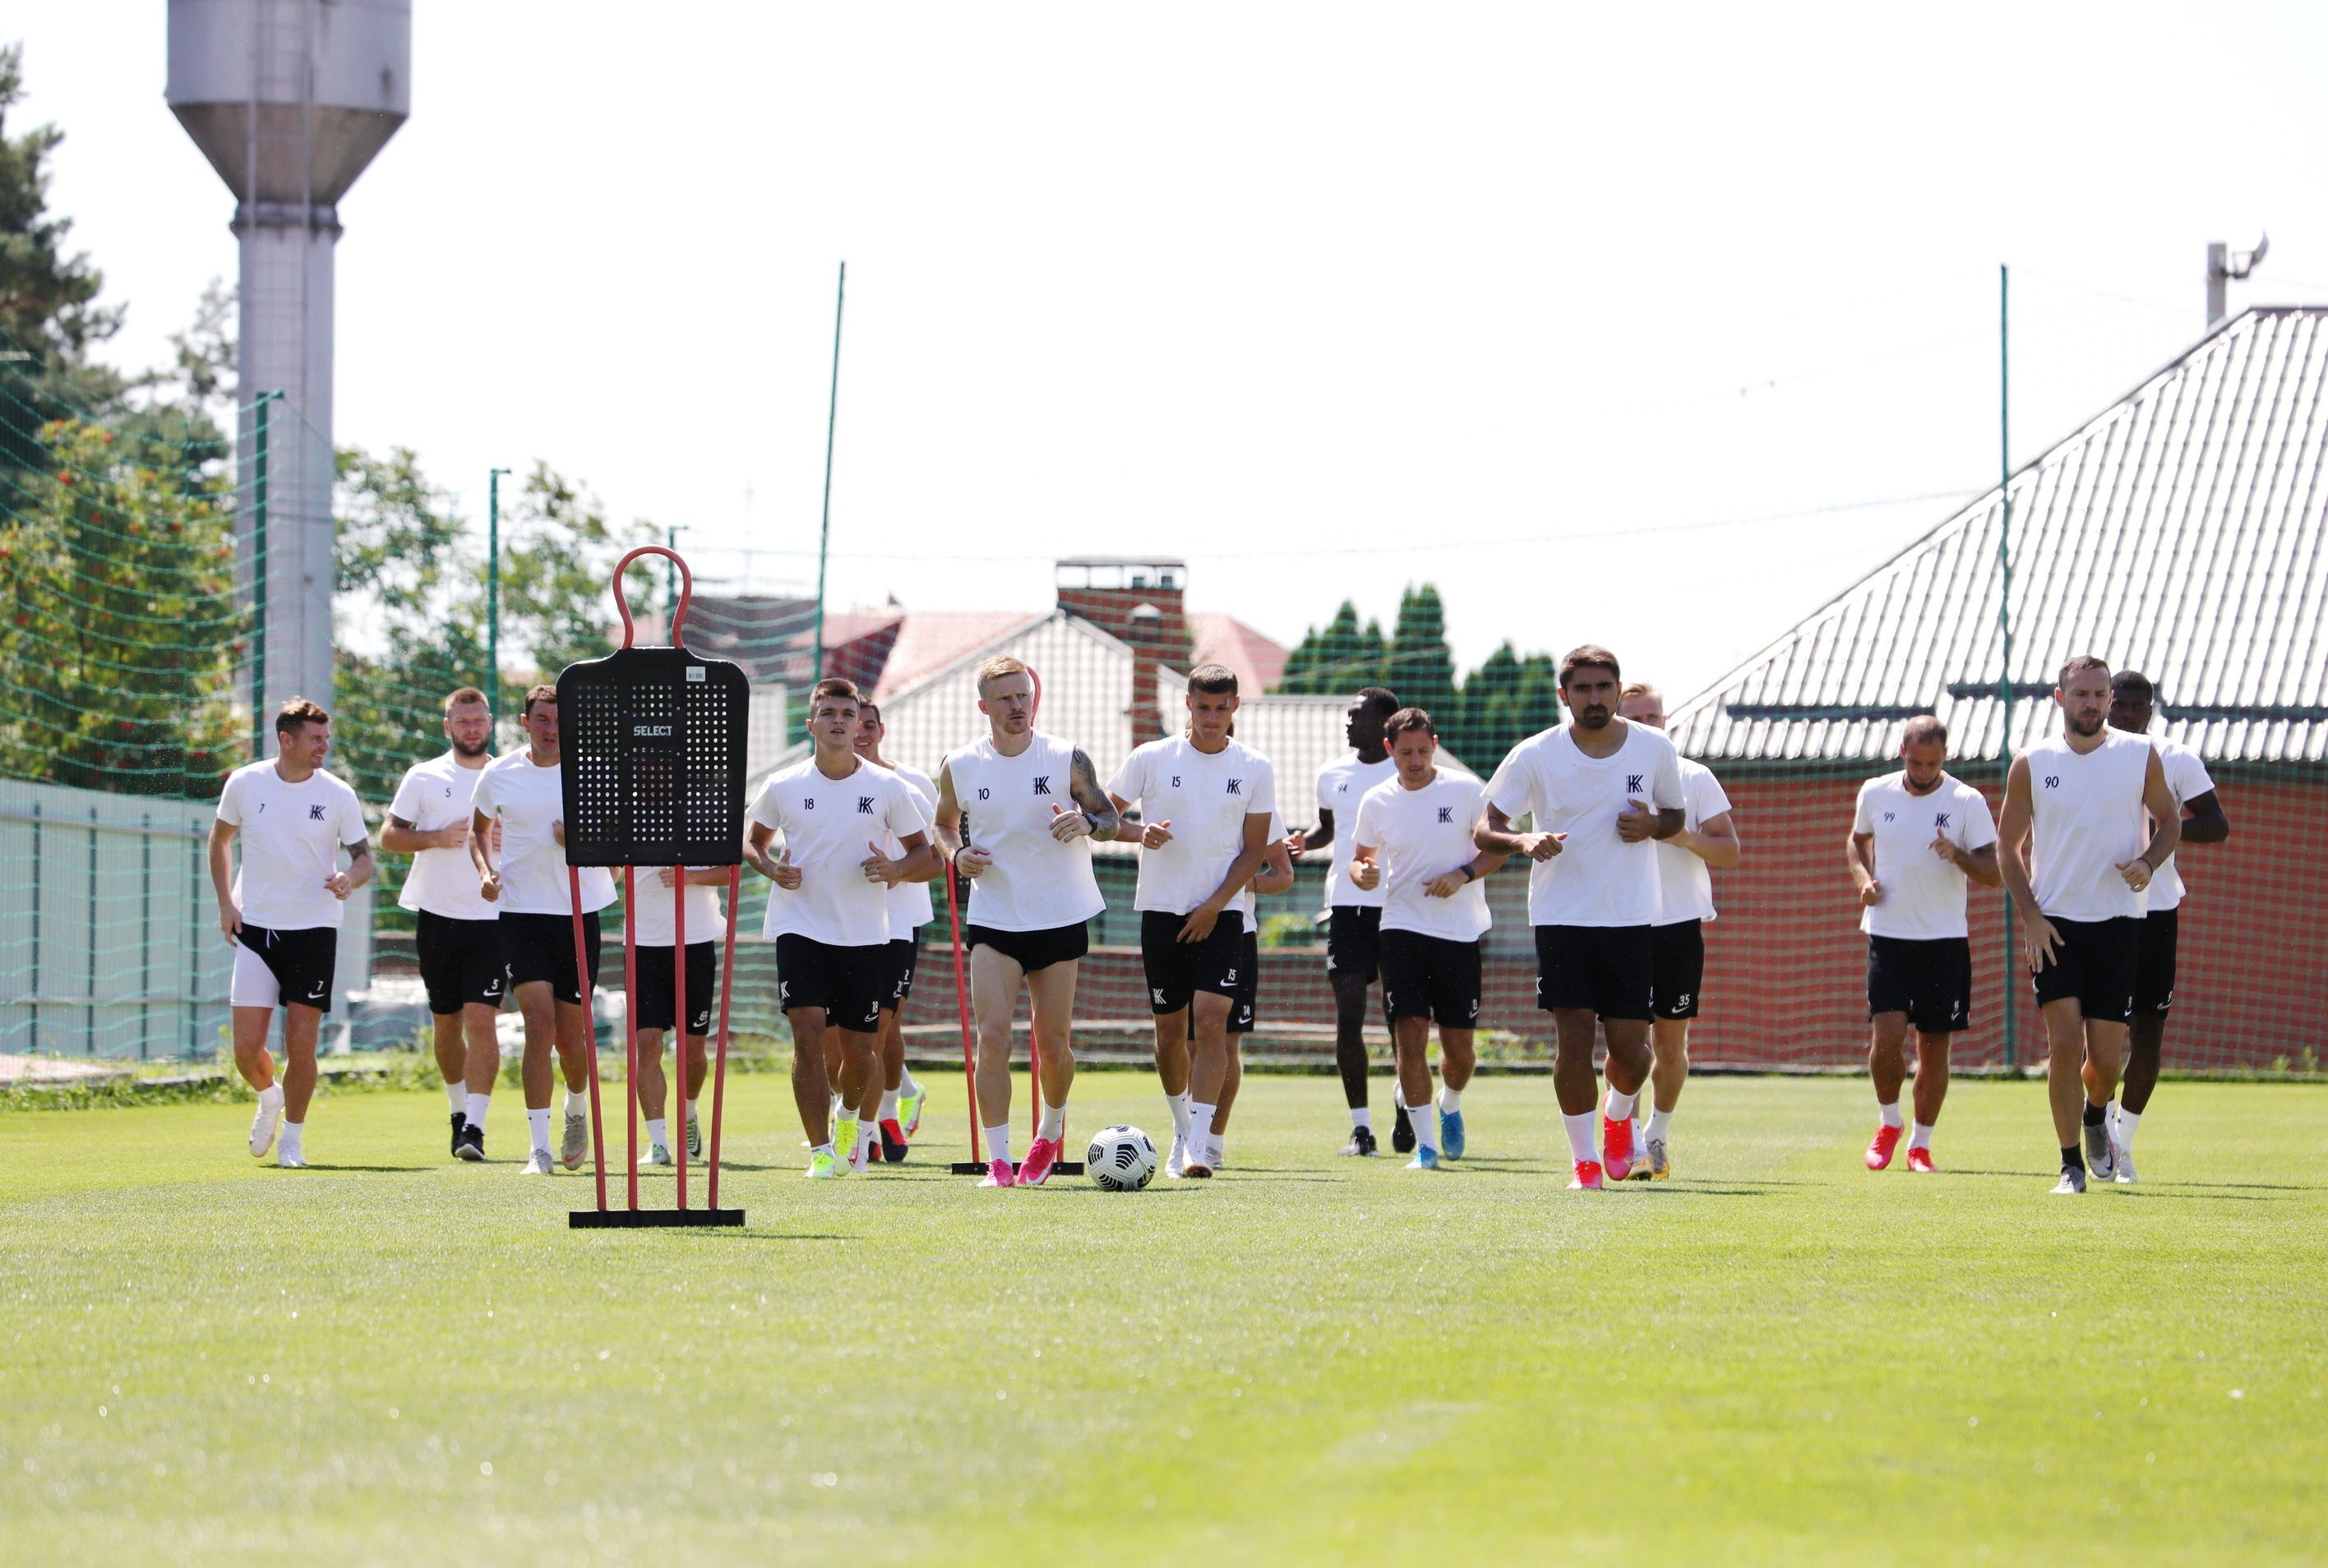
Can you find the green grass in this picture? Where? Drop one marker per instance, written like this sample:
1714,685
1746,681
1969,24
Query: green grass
1776,1357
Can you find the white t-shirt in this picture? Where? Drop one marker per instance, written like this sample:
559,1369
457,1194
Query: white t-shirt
909,903
651,923
1923,895
436,794
1206,800
1036,884
1685,882
291,838
1341,786
2086,819
1597,878
1417,835
829,828
2187,776
532,861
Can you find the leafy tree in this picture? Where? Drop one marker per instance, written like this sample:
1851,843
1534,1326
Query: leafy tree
48,292
558,551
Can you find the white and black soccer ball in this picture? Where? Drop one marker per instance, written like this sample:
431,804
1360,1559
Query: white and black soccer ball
1121,1159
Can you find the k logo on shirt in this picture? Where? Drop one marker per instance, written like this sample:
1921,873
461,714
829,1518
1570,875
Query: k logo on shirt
316,813
1941,820
1237,786
1447,813
1633,783
1042,783
865,805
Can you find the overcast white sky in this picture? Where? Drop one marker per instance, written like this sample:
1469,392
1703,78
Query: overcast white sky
1598,318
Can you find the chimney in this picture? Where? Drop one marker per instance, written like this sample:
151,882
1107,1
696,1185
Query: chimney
1138,600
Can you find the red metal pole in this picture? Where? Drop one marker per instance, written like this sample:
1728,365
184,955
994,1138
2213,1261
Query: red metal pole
962,996
1034,1057
678,1026
719,1066
631,1028
582,974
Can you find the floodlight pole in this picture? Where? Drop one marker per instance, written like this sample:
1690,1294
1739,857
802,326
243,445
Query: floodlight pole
824,527
2005,603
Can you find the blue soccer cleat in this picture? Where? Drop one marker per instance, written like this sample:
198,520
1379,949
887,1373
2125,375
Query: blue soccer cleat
1451,1133
1425,1159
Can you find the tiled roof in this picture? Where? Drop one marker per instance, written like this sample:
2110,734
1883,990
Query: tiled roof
1216,639
2184,533
932,639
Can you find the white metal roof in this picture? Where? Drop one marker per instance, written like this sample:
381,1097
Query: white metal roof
2184,533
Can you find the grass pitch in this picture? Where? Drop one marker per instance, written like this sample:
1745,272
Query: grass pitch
1775,1357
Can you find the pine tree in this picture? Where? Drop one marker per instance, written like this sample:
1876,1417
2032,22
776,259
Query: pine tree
1418,667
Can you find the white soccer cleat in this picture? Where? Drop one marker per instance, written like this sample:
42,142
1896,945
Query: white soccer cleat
1176,1164
289,1161
263,1126
537,1164
578,1141
657,1155
2124,1175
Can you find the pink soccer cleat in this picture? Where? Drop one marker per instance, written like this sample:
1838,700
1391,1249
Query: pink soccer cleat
1879,1152
1587,1178
1617,1148
998,1174
1920,1162
1036,1168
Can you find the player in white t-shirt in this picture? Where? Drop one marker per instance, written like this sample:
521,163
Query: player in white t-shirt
2079,798
1918,837
1599,791
1017,811
1205,800
654,1000
281,911
1707,843
517,842
894,1104
830,913
1412,844
2133,704
455,934
1353,914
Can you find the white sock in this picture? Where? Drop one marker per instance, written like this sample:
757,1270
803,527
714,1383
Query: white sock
1200,1127
694,1109
824,1148
1425,1126
1658,1121
1450,1101
2127,1121
906,1083
1891,1115
577,1104
539,1122
1179,1103
834,1108
998,1143
1620,1107
474,1112
658,1131
457,1094
1580,1134
272,1096
286,1146
867,1133
1921,1138
1362,1117
1055,1122
889,1105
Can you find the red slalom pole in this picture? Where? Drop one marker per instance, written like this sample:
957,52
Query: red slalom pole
962,996
630,1029
582,974
676,1089
1033,1055
719,1069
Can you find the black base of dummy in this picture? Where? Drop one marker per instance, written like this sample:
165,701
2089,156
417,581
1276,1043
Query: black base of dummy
650,1219
1064,1168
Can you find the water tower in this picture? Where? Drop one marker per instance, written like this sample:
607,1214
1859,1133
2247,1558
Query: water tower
289,101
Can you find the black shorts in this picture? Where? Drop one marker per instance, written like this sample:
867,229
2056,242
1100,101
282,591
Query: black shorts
1177,970
1676,968
296,966
1929,979
1611,970
541,948
846,981
652,1002
460,962
1354,942
1248,991
1032,951
1434,977
2154,964
2094,965
898,973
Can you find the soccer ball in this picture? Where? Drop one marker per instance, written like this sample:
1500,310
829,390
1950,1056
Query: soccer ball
1121,1159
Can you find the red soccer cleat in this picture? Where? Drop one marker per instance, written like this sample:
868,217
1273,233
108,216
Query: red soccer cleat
1036,1168
1920,1162
1616,1147
1587,1178
1879,1152
998,1174
892,1146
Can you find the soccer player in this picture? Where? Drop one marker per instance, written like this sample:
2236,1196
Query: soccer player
1354,915
1707,842
1918,835
1275,876
2079,797
455,933
1600,790
654,1005
529,886
1208,798
1016,814
1412,843
281,914
2132,704
830,914
909,911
